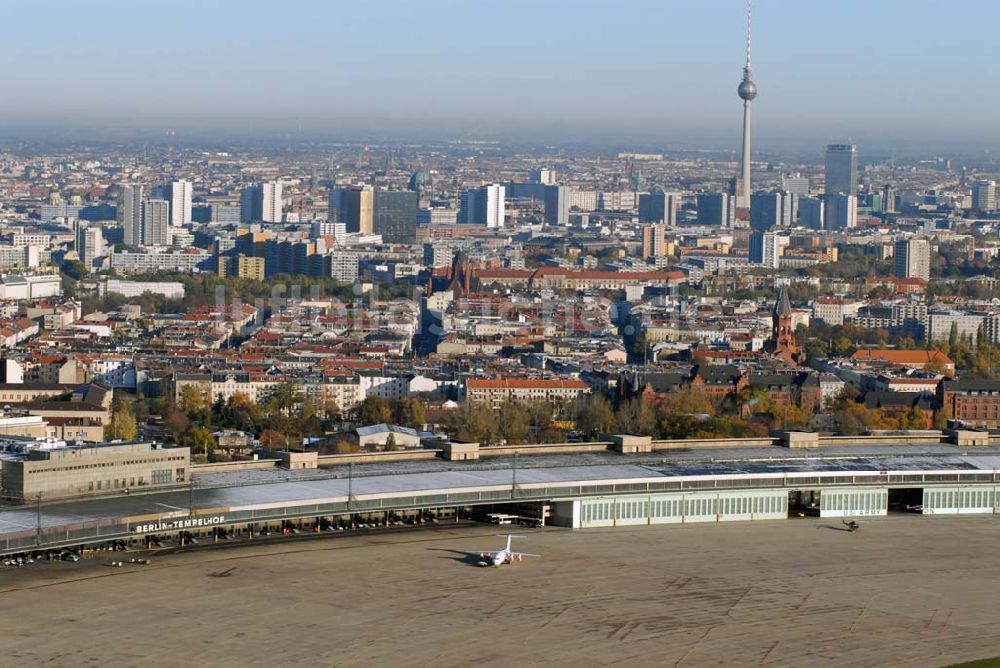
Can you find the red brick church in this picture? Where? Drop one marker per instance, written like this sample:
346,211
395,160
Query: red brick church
782,343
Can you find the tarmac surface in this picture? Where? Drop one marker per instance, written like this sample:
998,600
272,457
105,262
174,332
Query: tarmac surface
904,591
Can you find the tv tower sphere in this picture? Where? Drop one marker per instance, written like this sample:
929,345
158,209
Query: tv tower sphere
747,89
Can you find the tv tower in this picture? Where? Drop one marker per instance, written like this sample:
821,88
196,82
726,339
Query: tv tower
747,91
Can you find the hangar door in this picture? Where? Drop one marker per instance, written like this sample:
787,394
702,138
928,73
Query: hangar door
853,502
958,500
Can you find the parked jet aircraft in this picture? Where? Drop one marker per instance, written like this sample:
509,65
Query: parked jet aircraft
504,556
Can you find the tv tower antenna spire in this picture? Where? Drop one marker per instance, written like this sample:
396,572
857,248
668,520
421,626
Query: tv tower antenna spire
746,68
747,91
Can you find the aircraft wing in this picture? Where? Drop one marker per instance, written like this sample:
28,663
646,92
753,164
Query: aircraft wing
524,554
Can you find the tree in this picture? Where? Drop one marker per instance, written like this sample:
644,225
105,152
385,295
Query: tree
594,415
410,412
272,439
344,447
177,423
390,443
915,418
375,410
636,416
477,422
201,440
193,402
515,423
285,397
942,416
123,424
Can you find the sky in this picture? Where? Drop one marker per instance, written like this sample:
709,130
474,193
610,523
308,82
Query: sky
636,72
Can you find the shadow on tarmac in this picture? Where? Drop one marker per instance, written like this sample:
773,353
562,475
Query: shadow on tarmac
467,558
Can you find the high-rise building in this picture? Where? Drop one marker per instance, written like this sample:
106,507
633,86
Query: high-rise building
795,184
250,267
913,258
250,204
812,212
155,222
659,207
395,216
888,199
354,207
483,206
766,248
557,205
222,213
544,176
841,212
89,243
984,195
773,209
747,90
180,203
654,241
716,209
271,202
324,228
130,213
261,203
841,169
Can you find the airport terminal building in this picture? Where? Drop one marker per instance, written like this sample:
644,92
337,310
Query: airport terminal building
736,480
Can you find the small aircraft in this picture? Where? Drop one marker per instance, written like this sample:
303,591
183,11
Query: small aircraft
504,556
851,525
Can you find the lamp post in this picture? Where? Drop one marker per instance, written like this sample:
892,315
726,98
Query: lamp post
38,519
513,477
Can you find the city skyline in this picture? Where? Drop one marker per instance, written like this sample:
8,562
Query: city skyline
834,73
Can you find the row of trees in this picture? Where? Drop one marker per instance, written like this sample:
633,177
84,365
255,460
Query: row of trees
688,413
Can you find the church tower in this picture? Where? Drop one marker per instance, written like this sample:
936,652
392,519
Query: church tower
782,343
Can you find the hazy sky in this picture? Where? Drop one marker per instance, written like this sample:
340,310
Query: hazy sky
645,70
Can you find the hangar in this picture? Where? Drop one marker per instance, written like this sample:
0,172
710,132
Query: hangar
596,489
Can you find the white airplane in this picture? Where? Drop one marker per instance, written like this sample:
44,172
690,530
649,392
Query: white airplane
504,556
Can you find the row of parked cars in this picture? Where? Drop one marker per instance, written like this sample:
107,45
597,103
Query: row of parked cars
19,560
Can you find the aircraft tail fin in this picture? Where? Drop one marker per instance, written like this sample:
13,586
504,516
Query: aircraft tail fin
509,536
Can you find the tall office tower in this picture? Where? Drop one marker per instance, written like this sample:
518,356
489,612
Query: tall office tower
913,258
557,205
766,248
130,214
659,207
180,203
795,184
544,176
812,212
654,241
888,199
261,203
716,209
89,243
155,222
353,206
841,212
483,206
766,210
271,202
984,196
250,204
841,169
747,91
395,216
